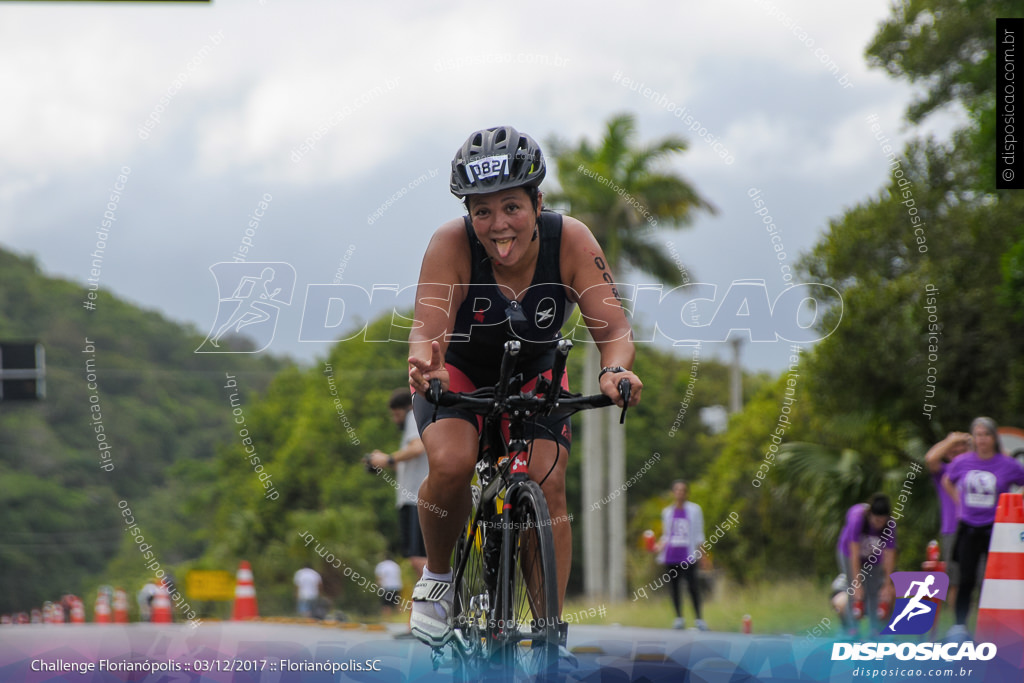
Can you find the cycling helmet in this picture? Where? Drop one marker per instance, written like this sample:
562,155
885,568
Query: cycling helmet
496,159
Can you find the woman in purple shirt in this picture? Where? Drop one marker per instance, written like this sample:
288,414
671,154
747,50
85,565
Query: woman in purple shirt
938,459
975,481
682,534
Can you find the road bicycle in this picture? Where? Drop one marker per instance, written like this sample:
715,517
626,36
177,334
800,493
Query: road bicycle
505,613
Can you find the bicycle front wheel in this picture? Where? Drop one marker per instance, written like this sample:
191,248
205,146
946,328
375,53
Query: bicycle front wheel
527,609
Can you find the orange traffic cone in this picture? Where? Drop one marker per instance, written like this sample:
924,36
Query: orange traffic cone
245,594
102,610
120,606
57,613
161,610
1001,607
77,611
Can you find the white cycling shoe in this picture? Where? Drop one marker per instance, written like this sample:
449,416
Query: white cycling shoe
431,620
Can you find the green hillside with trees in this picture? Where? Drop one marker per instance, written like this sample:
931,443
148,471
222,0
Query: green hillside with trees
163,413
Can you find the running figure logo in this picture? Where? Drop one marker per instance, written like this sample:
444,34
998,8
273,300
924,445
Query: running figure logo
250,296
915,612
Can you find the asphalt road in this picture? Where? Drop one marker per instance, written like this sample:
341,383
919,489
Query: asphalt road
271,652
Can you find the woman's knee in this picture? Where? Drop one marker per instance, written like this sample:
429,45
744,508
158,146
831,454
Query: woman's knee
451,447
549,466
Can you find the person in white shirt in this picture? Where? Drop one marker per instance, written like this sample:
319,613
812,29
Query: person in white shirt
307,589
145,598
389,577
410,463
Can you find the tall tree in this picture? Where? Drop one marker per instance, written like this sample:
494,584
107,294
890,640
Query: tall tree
945,44
925,339
930,333
882,356
949,48
622,190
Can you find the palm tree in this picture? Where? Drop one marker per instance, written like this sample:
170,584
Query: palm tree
610,187
621,191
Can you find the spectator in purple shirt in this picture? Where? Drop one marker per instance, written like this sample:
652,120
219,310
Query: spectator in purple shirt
938,458
682,525
975,481
867,540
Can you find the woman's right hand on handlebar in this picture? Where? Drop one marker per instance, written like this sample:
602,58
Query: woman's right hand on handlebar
421,371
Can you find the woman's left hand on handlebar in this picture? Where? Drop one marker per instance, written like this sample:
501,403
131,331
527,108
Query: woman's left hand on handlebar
610,386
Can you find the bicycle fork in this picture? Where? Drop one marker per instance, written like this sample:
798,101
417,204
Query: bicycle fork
518,472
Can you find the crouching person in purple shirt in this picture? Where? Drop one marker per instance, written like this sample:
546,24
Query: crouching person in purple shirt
975,480
866,553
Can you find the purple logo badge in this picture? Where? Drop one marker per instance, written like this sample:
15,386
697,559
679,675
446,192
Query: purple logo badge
915,612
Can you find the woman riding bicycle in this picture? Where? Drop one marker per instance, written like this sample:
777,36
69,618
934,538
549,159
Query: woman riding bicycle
506,271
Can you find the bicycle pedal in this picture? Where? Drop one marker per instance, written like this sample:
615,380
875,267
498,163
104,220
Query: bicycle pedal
441,657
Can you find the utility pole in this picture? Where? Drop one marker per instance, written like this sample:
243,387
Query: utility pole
616,507
736,379
595,536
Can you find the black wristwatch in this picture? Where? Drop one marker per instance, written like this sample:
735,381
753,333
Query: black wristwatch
391,461
614,368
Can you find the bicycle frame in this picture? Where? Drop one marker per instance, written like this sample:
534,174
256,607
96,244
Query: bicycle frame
503,466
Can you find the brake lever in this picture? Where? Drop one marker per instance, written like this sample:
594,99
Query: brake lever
434,396
624,390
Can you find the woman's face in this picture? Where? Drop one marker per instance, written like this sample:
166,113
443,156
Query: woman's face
504,222
984,442
679,492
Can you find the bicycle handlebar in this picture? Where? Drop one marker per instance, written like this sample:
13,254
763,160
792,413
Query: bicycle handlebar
498,399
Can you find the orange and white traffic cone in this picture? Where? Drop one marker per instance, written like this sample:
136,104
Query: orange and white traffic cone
77,611
1001,607
161,610
120,606
245,594
57,613
102,610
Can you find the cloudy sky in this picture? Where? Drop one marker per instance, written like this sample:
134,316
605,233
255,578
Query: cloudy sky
331,109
